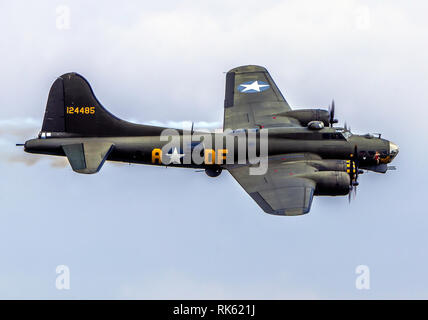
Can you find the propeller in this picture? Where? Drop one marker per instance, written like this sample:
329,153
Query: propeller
354,174
331,109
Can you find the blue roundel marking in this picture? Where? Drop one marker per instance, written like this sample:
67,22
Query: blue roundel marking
253,86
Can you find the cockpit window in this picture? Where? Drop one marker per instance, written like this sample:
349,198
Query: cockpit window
333,135
346,134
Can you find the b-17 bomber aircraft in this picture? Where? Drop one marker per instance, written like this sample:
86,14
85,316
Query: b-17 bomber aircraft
281,157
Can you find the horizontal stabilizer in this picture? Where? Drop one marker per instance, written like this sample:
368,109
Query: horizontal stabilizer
87,157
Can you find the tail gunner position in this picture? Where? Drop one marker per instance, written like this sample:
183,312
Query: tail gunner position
306,155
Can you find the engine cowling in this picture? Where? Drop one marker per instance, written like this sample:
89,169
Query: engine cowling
347,166
213,172
332,183
304,116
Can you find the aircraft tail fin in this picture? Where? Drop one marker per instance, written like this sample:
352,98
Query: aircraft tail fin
73,108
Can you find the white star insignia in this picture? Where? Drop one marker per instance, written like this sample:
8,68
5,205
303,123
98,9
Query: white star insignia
253,86
175,156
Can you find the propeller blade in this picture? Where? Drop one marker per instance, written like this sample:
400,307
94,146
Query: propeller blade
350,193
331,110
354,176
356,157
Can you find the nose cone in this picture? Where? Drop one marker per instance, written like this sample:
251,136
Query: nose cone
393,150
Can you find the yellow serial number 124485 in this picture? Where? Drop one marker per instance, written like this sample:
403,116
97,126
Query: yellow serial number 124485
81,110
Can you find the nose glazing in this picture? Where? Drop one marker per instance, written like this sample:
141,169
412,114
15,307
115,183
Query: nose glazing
393,149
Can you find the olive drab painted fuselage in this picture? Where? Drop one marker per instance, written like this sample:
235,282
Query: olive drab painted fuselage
281,157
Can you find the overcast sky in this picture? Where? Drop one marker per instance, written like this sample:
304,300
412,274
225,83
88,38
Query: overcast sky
135,231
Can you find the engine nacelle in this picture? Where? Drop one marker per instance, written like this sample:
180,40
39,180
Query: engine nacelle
304,116
213,172
331,183
347,166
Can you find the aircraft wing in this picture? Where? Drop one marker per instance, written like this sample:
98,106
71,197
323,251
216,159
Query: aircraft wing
283,189
253,100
